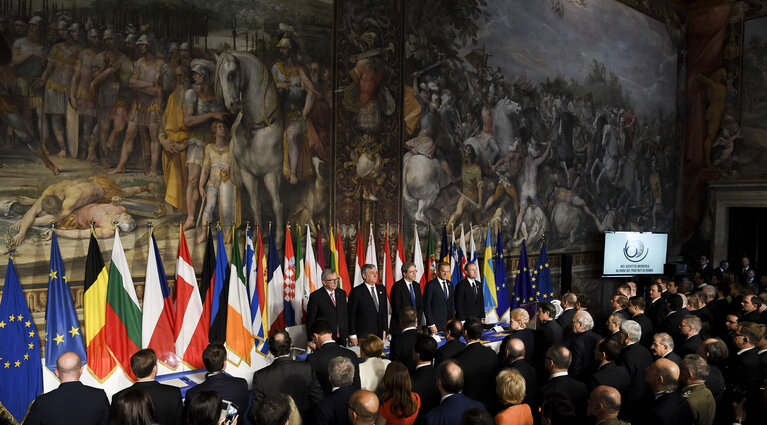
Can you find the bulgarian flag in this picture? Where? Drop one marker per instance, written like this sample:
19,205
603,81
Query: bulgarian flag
239,336
399,260
420,275
360,261
159,316
341,269
123,314
100,361
191,333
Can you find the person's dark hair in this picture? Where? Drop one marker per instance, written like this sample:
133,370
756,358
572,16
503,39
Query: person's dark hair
675,302
396,386
548,307
425,347
454,328
132,408
280,343
473,328
558,409
752,331
274,410
451,382
584,301
204,409
213,357
717,352
407,317
406,265
442,264
638,302
621,300
476,416
756,301
142,362
610,348
320,326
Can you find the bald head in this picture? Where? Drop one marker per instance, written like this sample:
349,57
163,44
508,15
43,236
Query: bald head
69,367
604,402
364,407
662,375
449,377
515,349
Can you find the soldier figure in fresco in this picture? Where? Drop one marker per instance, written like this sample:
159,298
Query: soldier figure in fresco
83,94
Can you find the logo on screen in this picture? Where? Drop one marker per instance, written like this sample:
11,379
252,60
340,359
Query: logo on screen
635,251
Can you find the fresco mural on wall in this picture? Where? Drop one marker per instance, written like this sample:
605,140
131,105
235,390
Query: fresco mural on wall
147,115
752,152
543,117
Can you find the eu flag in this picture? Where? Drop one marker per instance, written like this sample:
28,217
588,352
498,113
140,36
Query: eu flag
542,284
21,377
61,326
523,295
500,281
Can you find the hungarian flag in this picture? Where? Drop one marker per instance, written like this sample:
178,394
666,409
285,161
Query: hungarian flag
257,291
206,281
420,273
312,271
399,260
123,314
219,292
301,298
239,337
275,291
157,325
341,269
100,361
191,332
388,278
431,259
289,282
360,260
370,252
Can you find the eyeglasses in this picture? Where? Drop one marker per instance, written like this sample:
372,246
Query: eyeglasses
331,280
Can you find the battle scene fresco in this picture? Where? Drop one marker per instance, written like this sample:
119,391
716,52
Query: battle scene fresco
159,113
546,118
751,154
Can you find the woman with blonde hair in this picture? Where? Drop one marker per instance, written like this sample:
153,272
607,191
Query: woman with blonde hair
373,366
510,387
518,321
399,404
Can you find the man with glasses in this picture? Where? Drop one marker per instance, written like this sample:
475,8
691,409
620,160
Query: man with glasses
329,302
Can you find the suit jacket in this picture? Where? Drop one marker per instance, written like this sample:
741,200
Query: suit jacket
334,408
449,412
612,375
290,377
656,310
646,324
364,319
449,350
566,318
635,358
467,302
574,390
706,317
669,409
674,357
322,357
690,345
527,337
670,325
401,349
70,403
436,308
763,365
228,387
582,352
548,334
531,379
479,364
744,370
400,297
320,305
165,398
715,382
752,316
424,382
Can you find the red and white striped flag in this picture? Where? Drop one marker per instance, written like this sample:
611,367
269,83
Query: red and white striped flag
420,274
360,260
157,325
388,278
191,334
399,260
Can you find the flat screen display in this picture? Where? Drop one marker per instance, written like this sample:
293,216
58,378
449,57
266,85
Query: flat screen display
632,253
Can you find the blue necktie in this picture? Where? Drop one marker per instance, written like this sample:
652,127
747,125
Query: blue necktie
412,296
444,289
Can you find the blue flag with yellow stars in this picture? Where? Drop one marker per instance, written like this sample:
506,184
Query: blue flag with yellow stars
544,287
500,281
62,329
523,295
21,377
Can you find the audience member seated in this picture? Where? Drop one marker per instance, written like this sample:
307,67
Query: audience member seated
401,348
558,360
663,348
608,373
166,399
399,404
515,360
327,349
692,377
333,409
582,346
373,366
518,321
134,407
604,404
229,388
363,408
286,376
453,346
425,376
479,365
274,409
454,403
510,387
668,408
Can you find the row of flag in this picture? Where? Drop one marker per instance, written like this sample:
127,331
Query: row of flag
236,302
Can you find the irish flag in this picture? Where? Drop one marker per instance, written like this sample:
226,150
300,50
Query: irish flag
123,314
239,337
157,330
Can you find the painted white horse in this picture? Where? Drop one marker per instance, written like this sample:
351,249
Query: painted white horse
248,90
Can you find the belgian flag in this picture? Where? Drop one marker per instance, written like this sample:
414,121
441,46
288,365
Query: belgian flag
100,361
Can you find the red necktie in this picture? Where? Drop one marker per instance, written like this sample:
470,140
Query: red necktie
333,298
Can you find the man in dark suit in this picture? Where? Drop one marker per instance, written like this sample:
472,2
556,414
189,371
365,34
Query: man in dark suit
619,303
582,346
275,410
424,378
515,359
368,311
454,345
327,349
405,292
744,370
745,266
608,373
469,300
690,329
569,301
363,407
636,309
329,302
72,402
663,348
635,358
669,408
165,398
548,334
656,307
287,376
604,404
673,319
401,348
450,384
333,409
750,306
557,360
438,299
228,387
479,364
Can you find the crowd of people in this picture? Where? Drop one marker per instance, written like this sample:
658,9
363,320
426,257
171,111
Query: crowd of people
686,353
